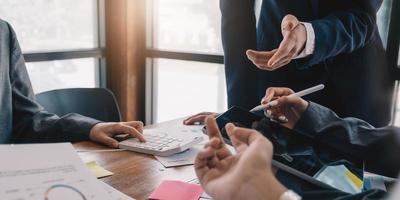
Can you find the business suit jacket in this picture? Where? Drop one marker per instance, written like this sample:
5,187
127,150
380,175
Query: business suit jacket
349,57
22,119
377,147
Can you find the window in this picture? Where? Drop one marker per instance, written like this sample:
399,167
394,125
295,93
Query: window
60,39
383,19
185,68
69,73
196,87
189,26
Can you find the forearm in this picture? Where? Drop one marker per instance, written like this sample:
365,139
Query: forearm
378,147
45,127
317,119
349,26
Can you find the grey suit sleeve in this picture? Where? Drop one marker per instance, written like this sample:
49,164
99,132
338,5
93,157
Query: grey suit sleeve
378,147
30,122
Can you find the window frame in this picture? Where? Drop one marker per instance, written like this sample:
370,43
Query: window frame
153,53
98,53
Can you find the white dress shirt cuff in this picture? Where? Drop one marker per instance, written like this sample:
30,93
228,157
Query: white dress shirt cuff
290,195
310,42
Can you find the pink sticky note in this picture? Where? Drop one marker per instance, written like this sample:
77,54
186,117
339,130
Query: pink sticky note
177,190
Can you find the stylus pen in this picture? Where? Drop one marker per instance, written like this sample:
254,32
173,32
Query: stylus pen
298,94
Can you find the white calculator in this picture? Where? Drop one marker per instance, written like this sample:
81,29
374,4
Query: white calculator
164,142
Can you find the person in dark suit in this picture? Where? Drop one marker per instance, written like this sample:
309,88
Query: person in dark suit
302,43
249,174
25,121
346,54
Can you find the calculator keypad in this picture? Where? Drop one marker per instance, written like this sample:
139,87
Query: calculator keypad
156,142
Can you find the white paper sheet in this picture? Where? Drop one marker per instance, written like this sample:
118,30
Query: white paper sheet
185,158
115,194
374,181
46,172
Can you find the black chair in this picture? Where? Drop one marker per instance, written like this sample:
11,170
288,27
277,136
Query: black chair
98,103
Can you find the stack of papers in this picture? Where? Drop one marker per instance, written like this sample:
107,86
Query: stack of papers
187,157
114,194
48,171
180,159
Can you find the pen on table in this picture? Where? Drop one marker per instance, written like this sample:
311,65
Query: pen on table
298,94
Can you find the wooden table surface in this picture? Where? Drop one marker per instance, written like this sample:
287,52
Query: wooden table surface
135,174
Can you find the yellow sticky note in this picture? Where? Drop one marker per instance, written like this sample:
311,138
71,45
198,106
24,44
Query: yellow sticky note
98,170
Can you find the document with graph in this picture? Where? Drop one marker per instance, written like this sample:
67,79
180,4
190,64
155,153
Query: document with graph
46,172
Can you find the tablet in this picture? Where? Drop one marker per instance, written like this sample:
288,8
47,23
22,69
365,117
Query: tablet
298,154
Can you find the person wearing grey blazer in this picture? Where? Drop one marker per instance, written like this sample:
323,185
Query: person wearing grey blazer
24,121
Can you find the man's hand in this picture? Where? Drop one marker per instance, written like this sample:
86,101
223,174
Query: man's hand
104,132
294,40
245,175
198,118
284,109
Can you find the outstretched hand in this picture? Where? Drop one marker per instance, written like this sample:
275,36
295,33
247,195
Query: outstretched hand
294,40
246,174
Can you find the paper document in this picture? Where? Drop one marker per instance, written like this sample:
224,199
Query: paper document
46,172
187,157
115,194
184,158
97,170
375,181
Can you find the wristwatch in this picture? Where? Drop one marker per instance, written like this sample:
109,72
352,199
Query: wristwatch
290,195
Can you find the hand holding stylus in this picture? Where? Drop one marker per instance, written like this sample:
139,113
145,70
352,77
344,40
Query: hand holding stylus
285,106
298,94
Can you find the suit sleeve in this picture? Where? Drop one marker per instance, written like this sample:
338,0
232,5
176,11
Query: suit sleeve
349,27
378,147
31,124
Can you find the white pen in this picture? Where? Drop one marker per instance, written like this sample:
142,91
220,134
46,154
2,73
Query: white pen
298,94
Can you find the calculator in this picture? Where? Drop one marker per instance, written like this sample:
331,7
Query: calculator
164,142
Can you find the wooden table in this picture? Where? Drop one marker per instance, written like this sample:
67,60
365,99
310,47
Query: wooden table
135,174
